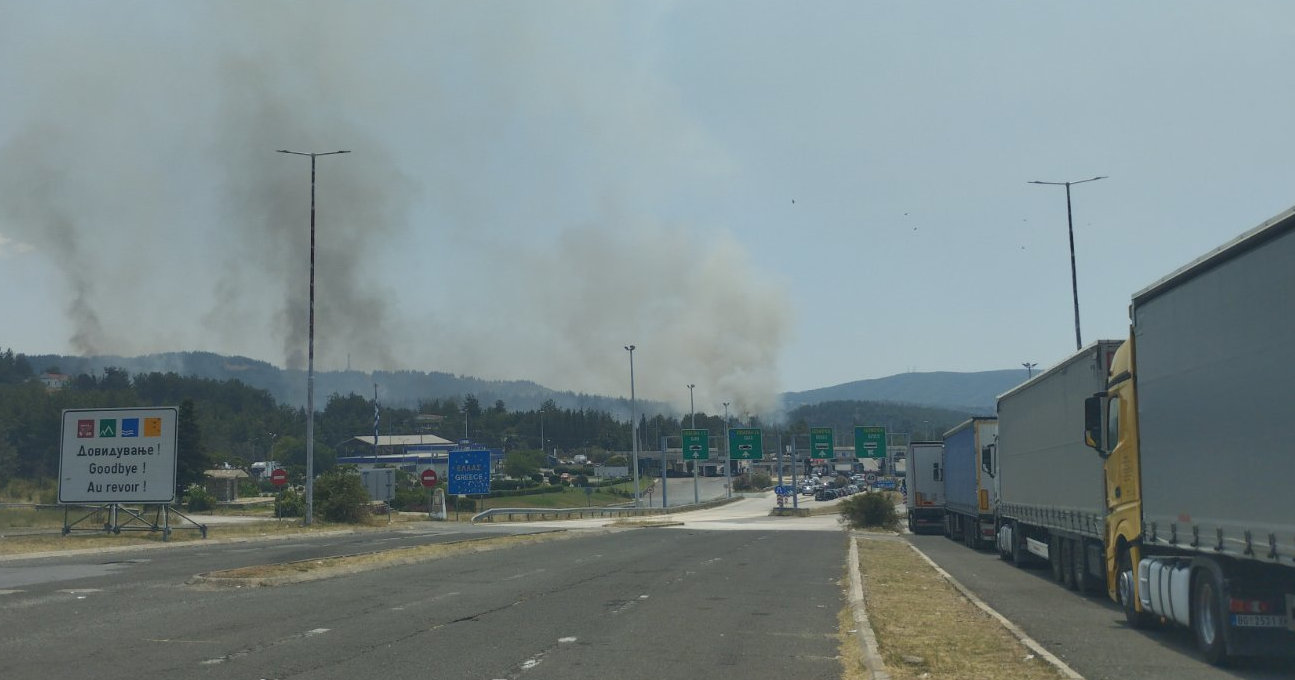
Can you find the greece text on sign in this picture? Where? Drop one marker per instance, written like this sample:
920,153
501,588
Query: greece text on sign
124,455
469,472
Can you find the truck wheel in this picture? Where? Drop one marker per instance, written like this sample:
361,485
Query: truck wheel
1054,559
1124,584
1068,563
1207,618
1079,562
1018,555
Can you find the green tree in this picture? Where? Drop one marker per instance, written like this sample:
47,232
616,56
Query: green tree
340,495
472,407
14,368
520,463
191,455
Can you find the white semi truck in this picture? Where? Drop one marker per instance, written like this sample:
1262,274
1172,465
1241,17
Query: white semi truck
924,476
1050,503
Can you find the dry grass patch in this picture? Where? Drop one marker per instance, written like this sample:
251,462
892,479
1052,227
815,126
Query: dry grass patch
180,533
310,570
927,630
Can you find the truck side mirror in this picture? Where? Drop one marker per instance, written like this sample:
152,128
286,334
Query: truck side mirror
1093,426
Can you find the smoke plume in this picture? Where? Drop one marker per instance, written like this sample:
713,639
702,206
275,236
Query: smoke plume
487,221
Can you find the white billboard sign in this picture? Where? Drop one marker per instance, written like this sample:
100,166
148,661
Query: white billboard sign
121,455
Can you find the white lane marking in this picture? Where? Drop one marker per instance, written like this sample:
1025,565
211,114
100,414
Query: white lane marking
524,574
9,592
567,639
247,652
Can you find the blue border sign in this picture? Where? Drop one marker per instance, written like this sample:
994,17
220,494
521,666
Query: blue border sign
469,473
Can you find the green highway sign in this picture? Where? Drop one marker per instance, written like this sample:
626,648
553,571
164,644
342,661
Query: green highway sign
869,442
745,444
821,443
696,445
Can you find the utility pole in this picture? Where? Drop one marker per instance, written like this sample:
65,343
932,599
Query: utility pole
634,427
1070,224
310,361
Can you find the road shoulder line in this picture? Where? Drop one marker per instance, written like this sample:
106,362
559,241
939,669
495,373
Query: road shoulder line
1012,628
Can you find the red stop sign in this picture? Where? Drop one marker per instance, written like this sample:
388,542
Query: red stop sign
428,477
279,477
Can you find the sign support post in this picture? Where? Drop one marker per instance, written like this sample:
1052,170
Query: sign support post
696,448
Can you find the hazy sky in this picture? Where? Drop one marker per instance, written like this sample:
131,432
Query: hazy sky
761,196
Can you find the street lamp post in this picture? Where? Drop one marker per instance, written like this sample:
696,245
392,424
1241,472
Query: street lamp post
1029,369
634,427
692,410
692,407
1070,224
728,472
310,352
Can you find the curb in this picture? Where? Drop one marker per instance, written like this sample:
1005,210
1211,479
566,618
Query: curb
1012,628
863,627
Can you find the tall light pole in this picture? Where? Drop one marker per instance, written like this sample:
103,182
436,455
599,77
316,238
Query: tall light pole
1029,368
634,427
692,408
310,352
1070,223
728,472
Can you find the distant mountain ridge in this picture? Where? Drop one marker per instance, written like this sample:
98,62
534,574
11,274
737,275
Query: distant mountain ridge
976,392
400,388
970,392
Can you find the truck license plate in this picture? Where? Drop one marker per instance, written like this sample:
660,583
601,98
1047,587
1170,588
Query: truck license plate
1258,621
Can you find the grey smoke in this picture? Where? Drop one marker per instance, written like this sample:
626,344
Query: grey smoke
137,158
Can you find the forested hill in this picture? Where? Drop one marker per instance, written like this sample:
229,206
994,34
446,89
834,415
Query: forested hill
972,392
919,423
960,392
396,388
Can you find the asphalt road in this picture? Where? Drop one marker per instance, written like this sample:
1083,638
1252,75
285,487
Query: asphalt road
1088,633
680,491
641,603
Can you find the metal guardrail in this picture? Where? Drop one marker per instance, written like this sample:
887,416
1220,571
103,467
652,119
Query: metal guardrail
533,514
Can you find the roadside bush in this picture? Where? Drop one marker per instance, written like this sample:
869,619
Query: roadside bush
751,482
197,498
340,496
410,499
248,488
869,510
290,503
